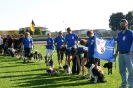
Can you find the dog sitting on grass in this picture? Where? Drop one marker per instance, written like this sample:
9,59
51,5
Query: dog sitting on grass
96,73
67,69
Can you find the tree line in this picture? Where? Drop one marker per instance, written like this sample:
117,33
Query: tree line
114,20
37,31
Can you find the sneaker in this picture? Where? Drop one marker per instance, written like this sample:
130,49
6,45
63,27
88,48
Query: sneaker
82,77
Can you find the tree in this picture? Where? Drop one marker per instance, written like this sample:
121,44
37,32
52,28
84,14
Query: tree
114,21
37,31
129,17
21,31
31,32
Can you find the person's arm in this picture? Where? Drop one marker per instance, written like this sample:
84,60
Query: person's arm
116,52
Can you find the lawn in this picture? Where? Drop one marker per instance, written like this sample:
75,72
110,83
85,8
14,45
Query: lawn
15,74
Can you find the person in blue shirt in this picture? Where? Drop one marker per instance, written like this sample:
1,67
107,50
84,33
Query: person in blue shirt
77,57
71,40
49,45
91,41
84,42
27,42
59,41
124,42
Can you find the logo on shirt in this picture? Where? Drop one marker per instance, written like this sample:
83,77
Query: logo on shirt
92,41
100,43
62,40
124,37
49,41
72,37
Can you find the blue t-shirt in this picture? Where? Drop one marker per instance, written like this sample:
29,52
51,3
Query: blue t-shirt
91,47
125,40
59,41
27,41
81,50
50,41
71,39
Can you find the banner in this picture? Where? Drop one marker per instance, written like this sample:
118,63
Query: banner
104,49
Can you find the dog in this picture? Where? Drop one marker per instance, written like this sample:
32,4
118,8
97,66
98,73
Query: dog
52,71
67,69
109,65
49,61
12,52
96,73
37,56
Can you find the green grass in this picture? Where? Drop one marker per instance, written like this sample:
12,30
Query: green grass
15,74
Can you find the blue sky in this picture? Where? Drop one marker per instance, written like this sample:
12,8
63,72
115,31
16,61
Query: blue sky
77,14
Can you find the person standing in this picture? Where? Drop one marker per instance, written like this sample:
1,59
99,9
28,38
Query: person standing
59,41
124,42
71,40
49,46
27,42
1,45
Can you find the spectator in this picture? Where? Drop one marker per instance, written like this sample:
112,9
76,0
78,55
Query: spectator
124,42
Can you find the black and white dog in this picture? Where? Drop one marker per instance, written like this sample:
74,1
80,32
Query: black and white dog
96,73
52,71
12,52
37,56
108,65
67,69
49,61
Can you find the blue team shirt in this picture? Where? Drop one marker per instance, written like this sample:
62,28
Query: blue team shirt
125,40
27,41
50,41
71,39
91,47
81,50
59,41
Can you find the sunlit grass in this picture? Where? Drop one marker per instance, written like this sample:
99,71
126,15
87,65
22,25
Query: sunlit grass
15,74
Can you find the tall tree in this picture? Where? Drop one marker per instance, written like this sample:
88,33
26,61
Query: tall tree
37,31
114,21
129,17
21,31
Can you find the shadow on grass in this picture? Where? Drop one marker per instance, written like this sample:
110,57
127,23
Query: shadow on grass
45,81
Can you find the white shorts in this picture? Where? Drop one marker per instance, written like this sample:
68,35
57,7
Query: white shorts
50,52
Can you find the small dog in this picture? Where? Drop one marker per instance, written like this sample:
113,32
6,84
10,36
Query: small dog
37,56
67,69
96,73
109,65
48,61
52,71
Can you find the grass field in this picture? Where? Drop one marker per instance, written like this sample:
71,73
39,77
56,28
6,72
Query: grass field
16,74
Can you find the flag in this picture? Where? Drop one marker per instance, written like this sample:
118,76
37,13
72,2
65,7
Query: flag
104,49
32,26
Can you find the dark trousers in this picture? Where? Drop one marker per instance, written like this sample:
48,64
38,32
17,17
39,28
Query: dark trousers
60,54
27,52
75,66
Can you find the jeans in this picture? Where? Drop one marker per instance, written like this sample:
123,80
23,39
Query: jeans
126,64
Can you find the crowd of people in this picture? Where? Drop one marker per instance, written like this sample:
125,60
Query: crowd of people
74,52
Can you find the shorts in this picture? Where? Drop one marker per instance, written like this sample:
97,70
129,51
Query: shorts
68,51
85,55
50,52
